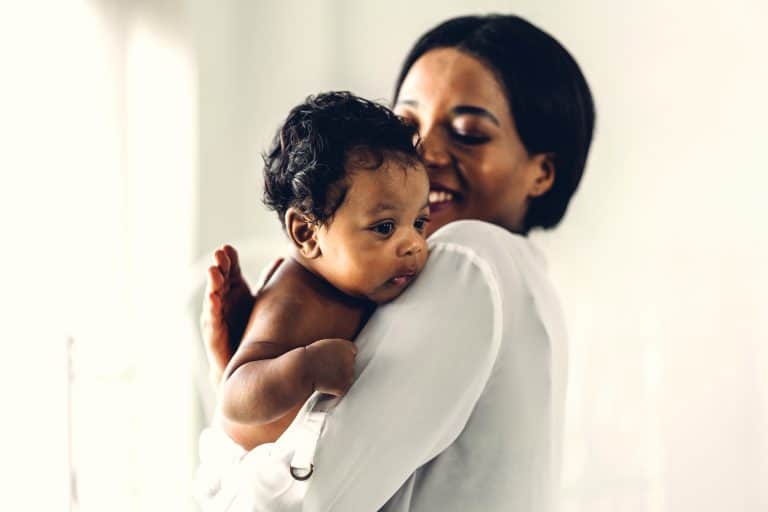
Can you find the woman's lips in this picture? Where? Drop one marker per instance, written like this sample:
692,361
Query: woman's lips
441,197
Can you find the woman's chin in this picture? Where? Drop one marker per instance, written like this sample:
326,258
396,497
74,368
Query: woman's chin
441,214
440,218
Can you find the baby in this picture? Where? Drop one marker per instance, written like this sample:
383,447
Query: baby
352,194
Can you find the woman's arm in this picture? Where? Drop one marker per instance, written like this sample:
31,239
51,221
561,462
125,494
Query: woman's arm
423,363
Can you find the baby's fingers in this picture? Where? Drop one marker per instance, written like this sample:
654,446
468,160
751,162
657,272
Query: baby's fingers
223,261
234,260
215,281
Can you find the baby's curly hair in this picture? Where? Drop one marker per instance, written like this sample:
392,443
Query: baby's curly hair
305,167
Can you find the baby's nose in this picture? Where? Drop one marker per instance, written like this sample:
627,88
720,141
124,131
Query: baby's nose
411,245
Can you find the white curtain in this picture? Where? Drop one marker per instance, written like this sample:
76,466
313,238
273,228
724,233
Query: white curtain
99,124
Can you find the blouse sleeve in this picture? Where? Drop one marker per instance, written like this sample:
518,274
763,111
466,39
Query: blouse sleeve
423,362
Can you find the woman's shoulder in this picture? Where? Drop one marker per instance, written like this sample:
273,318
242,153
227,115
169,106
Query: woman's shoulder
471,230
458,296
481,241
477,236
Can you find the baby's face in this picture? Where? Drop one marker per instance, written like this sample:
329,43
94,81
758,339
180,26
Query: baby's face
375,244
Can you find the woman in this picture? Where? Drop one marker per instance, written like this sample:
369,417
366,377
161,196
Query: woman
459,395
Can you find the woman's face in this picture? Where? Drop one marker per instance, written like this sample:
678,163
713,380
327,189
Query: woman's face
478,167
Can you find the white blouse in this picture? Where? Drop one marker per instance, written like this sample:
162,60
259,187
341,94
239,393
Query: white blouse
459,395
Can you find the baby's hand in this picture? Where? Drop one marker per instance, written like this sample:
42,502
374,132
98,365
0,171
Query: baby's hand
332,365
227,305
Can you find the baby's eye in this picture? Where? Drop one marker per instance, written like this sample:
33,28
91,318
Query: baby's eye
421,223
385,228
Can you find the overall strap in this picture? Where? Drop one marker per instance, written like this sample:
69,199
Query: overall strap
307,430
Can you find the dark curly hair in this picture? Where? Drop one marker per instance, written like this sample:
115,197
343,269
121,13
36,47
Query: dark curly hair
306,165
548,96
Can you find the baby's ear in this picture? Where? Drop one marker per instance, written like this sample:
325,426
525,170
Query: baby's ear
303,233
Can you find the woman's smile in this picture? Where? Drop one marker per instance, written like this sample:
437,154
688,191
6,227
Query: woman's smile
441,197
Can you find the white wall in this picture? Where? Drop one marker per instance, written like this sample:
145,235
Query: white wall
256,60
661,261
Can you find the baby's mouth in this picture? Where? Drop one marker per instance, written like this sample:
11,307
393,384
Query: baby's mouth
405,276
402,280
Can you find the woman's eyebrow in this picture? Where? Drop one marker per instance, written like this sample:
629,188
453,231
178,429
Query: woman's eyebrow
410,103
475,111
459,110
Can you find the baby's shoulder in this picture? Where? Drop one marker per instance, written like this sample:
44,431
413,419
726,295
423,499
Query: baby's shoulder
289,291
298,304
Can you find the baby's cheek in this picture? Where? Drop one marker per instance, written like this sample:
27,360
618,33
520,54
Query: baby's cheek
367,274
424,254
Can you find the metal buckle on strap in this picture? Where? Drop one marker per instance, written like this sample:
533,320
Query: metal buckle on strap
302,474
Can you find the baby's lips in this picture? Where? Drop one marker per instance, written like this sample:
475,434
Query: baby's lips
400,280
403,278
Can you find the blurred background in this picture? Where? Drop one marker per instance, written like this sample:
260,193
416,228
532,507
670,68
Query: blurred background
130,134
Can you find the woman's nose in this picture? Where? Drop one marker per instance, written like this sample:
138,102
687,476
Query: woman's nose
434,150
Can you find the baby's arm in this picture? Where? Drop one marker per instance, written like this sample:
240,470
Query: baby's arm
275,369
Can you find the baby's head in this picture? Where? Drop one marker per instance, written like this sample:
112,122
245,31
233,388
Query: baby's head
346,181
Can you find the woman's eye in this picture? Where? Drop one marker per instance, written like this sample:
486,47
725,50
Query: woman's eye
421,223
385,228
469,140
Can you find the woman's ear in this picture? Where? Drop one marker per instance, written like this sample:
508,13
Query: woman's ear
303,233
543,177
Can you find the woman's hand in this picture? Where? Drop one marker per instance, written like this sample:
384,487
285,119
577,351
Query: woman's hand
227,305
